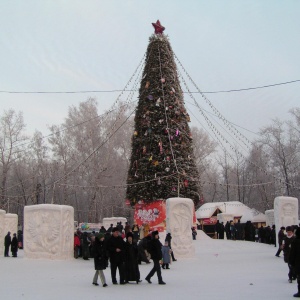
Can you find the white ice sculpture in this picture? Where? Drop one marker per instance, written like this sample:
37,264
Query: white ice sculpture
2,231
285,212
269,217
11,224
179,217
49,231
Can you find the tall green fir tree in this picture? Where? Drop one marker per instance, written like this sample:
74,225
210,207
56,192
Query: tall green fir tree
162,162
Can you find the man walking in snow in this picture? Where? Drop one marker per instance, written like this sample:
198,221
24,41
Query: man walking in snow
154,247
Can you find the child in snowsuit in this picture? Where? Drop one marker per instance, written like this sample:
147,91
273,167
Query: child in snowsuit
166,252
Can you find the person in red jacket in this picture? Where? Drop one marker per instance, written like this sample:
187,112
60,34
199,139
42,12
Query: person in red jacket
76,245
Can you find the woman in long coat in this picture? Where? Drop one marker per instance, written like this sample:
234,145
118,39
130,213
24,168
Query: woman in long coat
132,272
100,259
14,246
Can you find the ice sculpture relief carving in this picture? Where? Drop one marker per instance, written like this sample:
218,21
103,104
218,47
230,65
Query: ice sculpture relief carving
181,228
43,231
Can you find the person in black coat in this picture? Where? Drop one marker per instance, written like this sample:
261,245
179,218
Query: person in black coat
132,272
169,239
154,247
116,249
142,250
294,259
221,231
281,236
100,259
286,247
14,245
7,242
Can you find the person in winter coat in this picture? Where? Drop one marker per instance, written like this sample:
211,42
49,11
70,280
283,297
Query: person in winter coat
294,259
116,249
146,229
154,247
166,252
102,230
227,230
169,240
132,272
221,231
194,233
76,245
143,254
86,241
286,247
14,245
100,259
273,236
141,232
135,232
7,242
281,236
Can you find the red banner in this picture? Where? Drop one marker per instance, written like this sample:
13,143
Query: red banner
210,221
153,214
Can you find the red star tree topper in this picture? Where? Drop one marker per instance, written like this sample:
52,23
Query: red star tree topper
158,27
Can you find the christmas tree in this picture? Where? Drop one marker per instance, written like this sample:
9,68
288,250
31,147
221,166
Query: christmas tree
162,161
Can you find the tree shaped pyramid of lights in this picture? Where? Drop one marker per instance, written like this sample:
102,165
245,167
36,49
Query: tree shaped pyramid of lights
162,162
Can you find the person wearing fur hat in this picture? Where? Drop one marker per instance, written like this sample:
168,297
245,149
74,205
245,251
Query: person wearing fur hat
154,247
286,247
294,259
100,259
116,249
132,272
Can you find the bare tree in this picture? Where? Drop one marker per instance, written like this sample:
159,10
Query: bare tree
11,137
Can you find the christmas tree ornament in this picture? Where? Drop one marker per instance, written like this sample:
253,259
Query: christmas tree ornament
150,97
163,80
147,84
186,183
167,169
158,28
159,181
135,133
160,147
150,158
156,163
173,189
144,149
146,133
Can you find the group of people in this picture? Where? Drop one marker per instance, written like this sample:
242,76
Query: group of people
247,232
11,243
124,256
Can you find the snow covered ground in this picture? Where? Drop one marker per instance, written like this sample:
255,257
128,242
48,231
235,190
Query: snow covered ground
221,269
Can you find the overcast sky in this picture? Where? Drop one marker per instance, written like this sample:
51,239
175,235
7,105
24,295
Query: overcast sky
75,45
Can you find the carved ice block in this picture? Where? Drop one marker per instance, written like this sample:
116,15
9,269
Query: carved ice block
285,212
179,212
11,224
2,231
49,231
269,217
